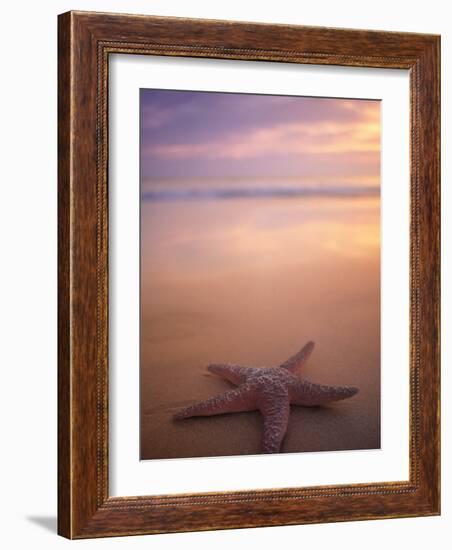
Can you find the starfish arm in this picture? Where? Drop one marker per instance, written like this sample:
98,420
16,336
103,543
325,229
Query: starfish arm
307,394
234,373
276,417
236,400
299,359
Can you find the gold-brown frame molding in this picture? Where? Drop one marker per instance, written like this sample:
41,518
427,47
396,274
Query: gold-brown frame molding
85,41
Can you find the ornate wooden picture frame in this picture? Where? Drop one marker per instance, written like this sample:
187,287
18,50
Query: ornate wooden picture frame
86,40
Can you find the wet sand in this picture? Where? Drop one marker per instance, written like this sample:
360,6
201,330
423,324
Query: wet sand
250,281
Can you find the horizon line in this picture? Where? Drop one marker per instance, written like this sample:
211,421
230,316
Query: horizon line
265,192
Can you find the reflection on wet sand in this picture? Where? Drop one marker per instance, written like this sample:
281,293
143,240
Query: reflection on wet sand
249,281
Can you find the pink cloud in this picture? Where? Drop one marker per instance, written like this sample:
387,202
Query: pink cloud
361,135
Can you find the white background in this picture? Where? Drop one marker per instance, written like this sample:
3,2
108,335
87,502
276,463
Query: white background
28,270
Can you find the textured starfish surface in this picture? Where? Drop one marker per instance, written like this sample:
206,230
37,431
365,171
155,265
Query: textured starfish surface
271,391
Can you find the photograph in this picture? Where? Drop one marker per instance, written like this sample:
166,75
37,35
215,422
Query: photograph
259,274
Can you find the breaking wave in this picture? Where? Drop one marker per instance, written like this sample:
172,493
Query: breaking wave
256,193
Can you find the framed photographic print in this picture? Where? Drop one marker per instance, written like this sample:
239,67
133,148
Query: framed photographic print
248,275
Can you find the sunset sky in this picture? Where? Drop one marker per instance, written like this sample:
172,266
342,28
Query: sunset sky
205,134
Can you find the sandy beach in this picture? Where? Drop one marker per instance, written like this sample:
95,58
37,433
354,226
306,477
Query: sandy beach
250,281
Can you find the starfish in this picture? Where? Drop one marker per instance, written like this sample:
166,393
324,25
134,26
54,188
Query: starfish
271,391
